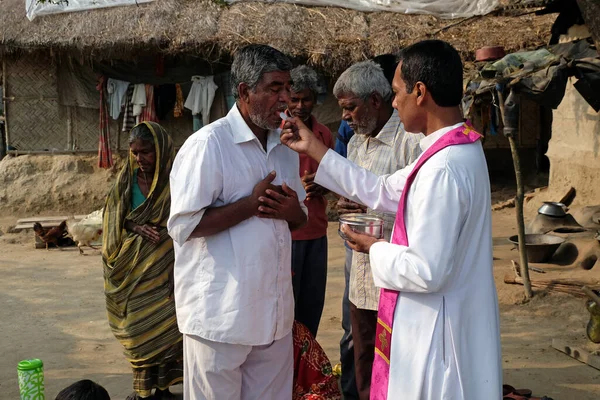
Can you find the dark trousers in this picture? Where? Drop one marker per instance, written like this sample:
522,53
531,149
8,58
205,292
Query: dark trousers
364,324
347,380
309,279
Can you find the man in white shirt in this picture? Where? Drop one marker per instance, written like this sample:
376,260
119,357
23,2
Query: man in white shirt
235,197
439,302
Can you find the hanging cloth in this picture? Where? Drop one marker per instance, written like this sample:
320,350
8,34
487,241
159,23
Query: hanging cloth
128,117
178,110
116,90
201,96
104,151
139,98
148,112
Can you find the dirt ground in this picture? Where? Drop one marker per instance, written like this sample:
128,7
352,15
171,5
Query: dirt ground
53,309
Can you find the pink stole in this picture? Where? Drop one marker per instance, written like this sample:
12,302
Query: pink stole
464,134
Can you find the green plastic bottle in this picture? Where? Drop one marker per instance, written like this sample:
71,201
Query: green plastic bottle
31,379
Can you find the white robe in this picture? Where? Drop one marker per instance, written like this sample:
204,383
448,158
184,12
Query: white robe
446,337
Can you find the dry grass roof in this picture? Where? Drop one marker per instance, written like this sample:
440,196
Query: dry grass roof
327,37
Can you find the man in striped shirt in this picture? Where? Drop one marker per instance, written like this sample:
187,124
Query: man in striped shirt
382,146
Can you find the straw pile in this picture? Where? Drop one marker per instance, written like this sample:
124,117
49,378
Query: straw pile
326,37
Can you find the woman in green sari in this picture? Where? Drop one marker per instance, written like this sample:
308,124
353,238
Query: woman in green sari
137,255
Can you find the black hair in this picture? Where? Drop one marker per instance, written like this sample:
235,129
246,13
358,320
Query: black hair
83,390
437,64
388,63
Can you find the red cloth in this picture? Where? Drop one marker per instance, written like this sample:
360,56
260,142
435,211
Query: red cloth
313,376
104,151
149,112
316,226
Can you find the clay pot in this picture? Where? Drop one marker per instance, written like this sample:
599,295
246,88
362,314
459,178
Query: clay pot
490,53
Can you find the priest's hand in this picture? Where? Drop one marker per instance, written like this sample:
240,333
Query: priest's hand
299,138
359,241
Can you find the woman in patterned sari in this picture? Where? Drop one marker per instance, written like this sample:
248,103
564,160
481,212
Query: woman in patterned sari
313,375
137,255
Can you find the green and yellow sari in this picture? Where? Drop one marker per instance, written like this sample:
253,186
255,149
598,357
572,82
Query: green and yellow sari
137,275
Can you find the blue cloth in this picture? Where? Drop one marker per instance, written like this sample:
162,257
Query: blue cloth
137,197
197,122
343,137
341,143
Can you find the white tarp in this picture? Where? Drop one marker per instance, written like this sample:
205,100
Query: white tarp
35,9
438,8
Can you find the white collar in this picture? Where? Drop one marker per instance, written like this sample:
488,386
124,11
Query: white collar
242,133
429,140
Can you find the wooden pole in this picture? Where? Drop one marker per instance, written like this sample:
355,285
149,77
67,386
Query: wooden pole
5,104
69,128
520,219
518,205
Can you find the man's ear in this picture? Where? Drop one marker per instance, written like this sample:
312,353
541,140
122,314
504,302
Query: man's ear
376,100
243,91
421,92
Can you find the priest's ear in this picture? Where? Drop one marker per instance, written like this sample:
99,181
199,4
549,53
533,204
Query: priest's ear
421,92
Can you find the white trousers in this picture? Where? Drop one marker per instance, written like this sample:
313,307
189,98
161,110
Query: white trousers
222,371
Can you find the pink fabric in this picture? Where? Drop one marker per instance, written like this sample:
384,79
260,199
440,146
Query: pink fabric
387,301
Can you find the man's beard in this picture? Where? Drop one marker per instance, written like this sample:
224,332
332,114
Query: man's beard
368,128
261,119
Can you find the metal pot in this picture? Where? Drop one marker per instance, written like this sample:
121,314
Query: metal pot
362,223
553,209
540,248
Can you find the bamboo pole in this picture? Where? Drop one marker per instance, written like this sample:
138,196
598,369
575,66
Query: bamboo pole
518,205
48,152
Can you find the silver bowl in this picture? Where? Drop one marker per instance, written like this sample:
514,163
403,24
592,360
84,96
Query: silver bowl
362,223
553,209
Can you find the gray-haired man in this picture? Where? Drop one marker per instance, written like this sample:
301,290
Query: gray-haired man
380,145
235,197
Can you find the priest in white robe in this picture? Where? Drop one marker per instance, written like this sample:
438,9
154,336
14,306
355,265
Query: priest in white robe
436,274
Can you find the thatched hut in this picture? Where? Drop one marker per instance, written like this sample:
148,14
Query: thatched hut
201,36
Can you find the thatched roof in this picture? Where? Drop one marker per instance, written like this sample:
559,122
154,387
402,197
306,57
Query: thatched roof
327,37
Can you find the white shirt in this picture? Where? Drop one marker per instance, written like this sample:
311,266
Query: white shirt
235,286
445,338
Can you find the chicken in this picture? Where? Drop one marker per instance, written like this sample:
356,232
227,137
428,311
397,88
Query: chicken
83,234
53,236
